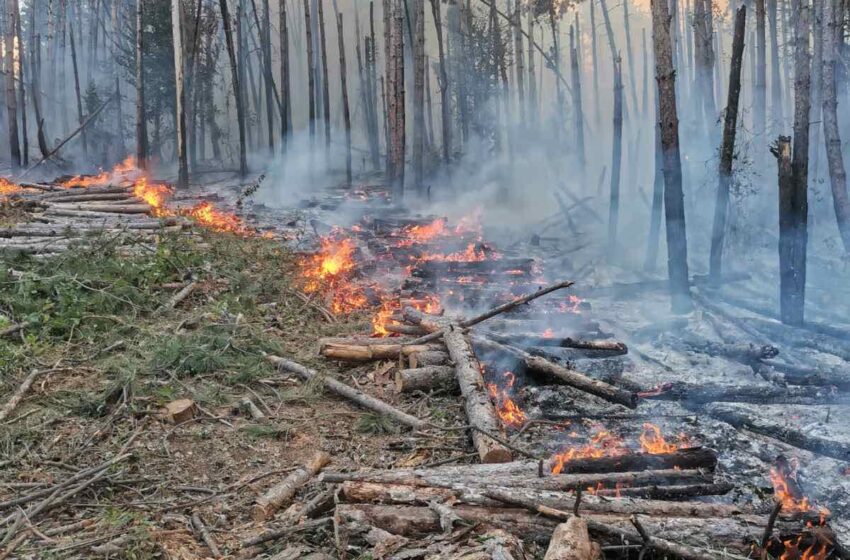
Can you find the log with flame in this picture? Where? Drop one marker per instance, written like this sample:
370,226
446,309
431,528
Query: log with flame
508,410
330,271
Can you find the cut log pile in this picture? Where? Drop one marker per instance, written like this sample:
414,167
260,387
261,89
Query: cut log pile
666,498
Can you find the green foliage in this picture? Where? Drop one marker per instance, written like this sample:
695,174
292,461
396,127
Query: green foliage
376,424
261,431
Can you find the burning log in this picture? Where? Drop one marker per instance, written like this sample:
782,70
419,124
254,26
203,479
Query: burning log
100,208
283,492
480,411
92,197
670,492
613,347
688,458
753,394
476,493
571,541
371,352
424,378
349,392
519,475
568,376
441,269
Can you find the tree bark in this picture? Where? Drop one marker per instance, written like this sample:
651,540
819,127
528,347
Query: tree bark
776,111
395,86
570,541
816,88
616,159
727,149
674,204
237,87
285,85
282,493
704,48
311,74
595,58
180,94
793,201
346,114
326,99
80,117
22,84
578,112
533,112
760,91
519,57
832,17
11,97
445,107
418,145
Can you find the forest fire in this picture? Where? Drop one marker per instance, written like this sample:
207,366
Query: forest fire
154,194
330,271
816,551
207,215
508,411
429,304
123,173
7,187
606,444
786,488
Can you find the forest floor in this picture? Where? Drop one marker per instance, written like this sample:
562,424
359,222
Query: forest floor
108,363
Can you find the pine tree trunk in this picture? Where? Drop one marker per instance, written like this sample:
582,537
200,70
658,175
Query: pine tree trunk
704,49
674,204
817,87
793,200
760,93
418,147
533,113
22,85
180,116
578,113
595,58
237,87
11,96
630,54
373,87
271,93
346,115
80,115
832,15
519,57
326,99
395,86
616,160
141,119
776,115
645,102
727,148
445,108
311,83
285,86
653,240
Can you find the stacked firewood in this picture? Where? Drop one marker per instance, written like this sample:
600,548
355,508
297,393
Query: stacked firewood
59,217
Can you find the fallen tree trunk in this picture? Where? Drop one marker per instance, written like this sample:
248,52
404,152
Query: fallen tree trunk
613,347
427,358
283,492
571,541
353,521
480,411
349,392
424,378
107,208
476,494
800,337
753,394
19,394
568,376
670,492
521,475
689,458
805,375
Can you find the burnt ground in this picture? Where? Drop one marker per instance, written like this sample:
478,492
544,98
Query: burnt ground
109,362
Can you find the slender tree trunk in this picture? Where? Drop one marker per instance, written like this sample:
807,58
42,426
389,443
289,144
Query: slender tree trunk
270,93
519,56
776,116
616,159
326,99
727,148
241,65
793,193
674,204
578,113
395,87
630,55
657,197
80,115
704,50
180,116
141,119
445,108
817,86
237,87
533,113
311,84
760,93
832,15
11,96
595,58
22,85
285,86
346,115
645,103
418,146
373,86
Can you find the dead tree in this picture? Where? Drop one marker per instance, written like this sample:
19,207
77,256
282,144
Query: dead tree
578,113
418,146
180,94
237,89
776,113
80,116
326,99
760,91
445,108
616,158
311,74
727,148
674,203
346,114
285,91
141,122
833,17
11,97
793,194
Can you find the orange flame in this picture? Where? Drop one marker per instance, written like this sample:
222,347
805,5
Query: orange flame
154,194
123,173
330,271
470,254
813,552
509,412
207,215
7,187
429,304
605,444
571,305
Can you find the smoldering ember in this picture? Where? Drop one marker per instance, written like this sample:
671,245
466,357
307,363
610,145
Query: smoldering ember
424,279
